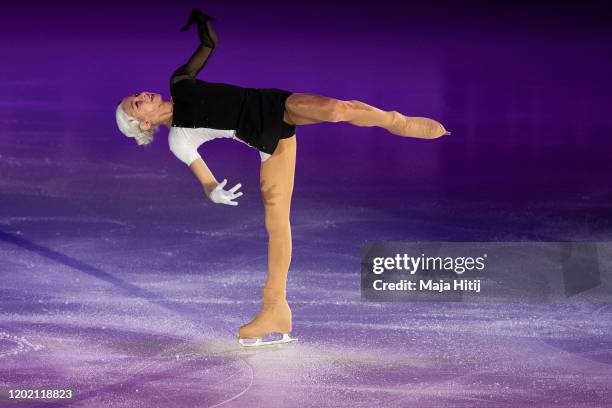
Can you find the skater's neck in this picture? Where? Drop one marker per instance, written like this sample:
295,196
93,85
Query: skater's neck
165,114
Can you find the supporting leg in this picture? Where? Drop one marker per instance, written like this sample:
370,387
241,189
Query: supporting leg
277,180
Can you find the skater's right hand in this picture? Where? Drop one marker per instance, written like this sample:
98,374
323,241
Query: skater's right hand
220,196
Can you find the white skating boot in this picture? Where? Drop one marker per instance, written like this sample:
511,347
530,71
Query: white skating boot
273,318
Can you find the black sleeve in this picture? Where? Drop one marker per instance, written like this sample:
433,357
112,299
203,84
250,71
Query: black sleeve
208,42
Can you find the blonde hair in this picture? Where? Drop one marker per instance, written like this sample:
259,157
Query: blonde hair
129,126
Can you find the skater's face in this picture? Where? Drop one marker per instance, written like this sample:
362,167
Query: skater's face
144,106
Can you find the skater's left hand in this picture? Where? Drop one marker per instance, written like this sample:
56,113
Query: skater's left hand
220,196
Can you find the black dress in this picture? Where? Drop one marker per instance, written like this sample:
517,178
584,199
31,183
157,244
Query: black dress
256,114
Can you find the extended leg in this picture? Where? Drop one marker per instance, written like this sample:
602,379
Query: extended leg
277,179
304,108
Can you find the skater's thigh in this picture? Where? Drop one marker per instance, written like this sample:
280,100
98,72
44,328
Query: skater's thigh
277,178
307,108
300,100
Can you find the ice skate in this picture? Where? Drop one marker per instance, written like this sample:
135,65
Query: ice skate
414,126
274,318
259,342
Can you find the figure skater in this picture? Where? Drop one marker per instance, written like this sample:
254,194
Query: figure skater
265,119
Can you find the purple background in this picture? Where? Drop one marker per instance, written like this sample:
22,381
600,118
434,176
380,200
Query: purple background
118,275
525,90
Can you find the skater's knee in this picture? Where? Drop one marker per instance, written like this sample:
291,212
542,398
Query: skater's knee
339,110
277,217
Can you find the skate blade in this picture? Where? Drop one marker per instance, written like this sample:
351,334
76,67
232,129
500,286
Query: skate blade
259,342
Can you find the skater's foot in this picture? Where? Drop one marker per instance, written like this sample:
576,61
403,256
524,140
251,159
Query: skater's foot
414,126
274,317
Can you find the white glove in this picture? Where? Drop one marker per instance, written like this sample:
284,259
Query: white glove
220,196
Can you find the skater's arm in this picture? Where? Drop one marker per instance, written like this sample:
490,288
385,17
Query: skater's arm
184,148
204,175
208,42
214,190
